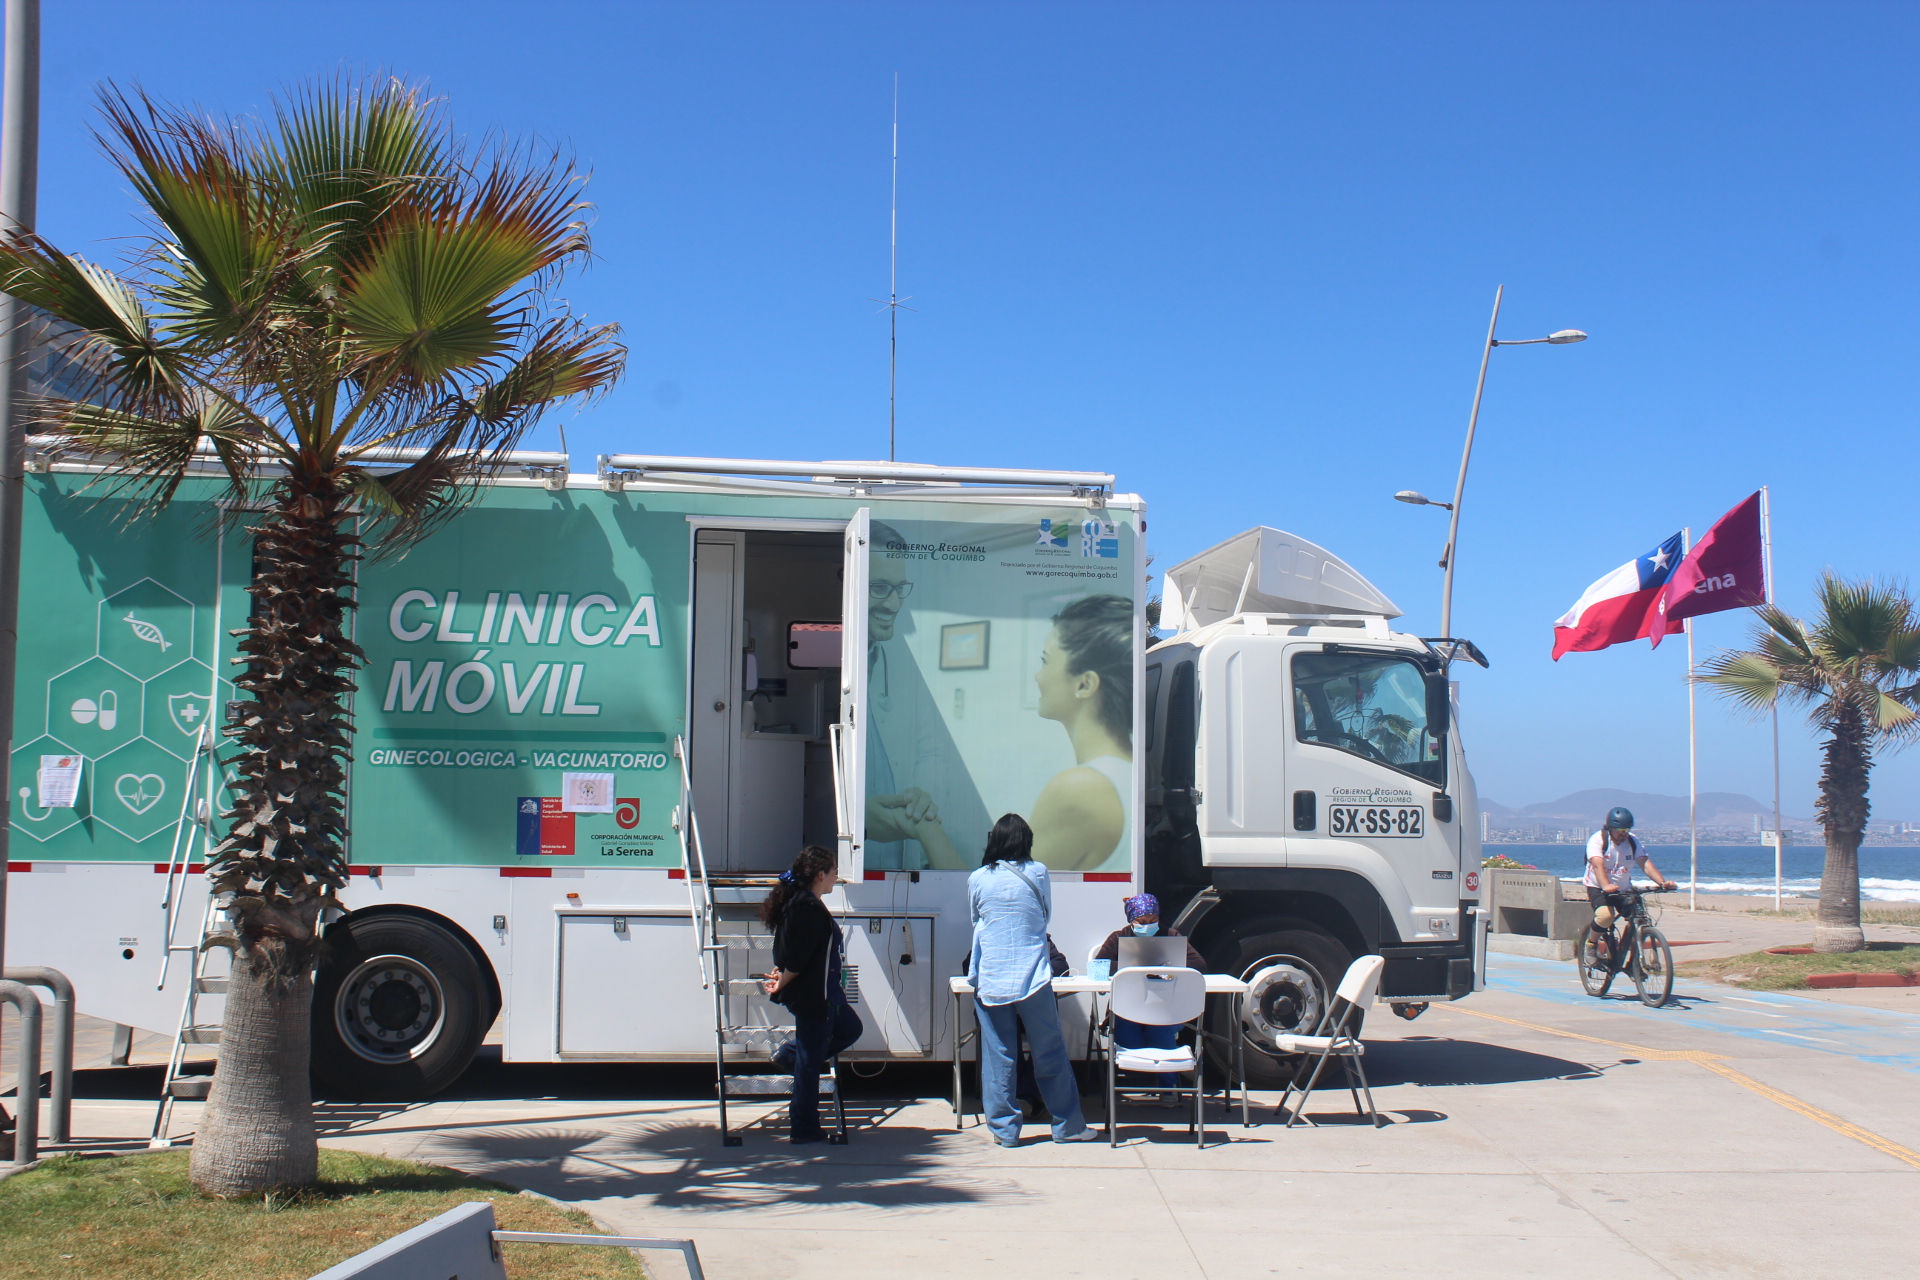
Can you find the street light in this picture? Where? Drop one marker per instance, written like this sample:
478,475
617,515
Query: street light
1559,339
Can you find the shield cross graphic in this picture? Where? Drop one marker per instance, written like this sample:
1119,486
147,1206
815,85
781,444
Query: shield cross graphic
188,710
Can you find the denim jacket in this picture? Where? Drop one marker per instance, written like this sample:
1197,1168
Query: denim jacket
1011,904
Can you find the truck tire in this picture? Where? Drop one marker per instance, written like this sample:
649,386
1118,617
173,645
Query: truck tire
399,1009
1308,965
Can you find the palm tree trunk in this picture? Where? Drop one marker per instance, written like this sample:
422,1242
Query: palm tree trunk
1843,812
284,858
257,1133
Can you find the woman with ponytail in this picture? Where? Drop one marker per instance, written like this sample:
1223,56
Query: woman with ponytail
806,979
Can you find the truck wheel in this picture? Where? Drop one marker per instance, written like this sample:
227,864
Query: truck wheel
1304,966
399,1010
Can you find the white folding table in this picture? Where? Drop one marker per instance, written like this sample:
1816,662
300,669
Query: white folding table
1218,984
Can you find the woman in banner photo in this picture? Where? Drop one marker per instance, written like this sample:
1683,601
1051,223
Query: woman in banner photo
1083,819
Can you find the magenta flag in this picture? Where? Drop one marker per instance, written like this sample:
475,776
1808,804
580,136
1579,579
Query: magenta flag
1725,570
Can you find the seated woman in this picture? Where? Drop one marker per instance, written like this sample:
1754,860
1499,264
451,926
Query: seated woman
1143,921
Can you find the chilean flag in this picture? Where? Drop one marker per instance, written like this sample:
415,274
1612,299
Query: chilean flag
1614,609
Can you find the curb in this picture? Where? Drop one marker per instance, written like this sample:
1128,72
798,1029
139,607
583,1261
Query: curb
1841,981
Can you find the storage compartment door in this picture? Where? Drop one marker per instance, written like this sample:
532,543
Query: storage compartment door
850,730
629,987
890,984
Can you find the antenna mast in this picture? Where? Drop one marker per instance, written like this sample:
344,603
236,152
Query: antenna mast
893,299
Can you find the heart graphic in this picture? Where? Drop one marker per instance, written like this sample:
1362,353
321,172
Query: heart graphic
139,792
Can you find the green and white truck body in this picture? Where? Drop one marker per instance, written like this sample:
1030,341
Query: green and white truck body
599,712
535,671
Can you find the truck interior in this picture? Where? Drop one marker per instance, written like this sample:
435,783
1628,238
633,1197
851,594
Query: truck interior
765,688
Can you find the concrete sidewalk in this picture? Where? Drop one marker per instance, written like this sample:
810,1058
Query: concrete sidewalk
1535,1132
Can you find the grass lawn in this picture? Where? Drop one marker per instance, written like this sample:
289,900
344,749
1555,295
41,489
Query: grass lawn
136,1217
1759,971
1870,912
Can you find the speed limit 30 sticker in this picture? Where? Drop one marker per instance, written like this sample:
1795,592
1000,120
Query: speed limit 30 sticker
1390,820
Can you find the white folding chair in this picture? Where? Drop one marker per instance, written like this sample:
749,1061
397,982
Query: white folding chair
1334,1038
1156,998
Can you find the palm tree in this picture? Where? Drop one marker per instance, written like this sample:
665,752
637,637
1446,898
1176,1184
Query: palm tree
346,307
1853,670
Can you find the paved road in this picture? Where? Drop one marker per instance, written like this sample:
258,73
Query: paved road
1535,1132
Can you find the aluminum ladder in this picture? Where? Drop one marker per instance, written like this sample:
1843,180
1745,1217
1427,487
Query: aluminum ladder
734,958
195,827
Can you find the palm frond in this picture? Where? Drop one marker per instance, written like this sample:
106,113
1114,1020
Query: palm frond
1750,679
117,349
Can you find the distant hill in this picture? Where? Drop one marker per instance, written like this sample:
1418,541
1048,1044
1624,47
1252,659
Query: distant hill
1588,808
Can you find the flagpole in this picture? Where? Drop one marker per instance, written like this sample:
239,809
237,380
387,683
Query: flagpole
1693,757
1766,553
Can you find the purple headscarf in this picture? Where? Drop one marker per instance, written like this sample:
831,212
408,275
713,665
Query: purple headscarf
1144,904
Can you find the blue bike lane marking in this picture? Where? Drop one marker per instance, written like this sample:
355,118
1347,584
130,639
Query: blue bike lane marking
1869,1035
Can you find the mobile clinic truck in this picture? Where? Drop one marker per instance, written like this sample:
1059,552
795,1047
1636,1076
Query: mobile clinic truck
600,712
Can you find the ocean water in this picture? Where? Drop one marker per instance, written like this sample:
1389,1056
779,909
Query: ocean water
1886,875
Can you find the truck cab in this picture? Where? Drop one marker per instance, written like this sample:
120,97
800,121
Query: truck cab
1306,787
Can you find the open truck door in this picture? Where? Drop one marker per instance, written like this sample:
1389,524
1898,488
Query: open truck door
850,728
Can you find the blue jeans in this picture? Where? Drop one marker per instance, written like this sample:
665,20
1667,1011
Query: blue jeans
816,1042
1136,1035
1000,1026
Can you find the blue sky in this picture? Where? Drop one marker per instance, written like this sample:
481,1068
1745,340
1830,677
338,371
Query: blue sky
1243,256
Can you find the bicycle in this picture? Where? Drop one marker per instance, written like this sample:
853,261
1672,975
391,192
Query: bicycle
1634,944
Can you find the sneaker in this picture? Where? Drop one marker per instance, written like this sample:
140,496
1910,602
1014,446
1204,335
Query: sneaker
1002,1142
784,1056
1085,1135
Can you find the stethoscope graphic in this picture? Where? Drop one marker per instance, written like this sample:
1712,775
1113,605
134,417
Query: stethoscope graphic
26,806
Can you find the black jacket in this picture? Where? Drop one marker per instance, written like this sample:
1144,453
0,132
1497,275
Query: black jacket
807,944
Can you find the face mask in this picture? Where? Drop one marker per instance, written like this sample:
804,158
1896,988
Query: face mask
1146,930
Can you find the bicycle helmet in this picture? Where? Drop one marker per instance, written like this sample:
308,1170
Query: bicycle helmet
1620,818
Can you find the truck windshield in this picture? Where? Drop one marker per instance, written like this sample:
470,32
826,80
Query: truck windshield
1369,704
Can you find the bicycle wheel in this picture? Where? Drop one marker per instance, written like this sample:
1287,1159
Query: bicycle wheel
1593,966
1653,967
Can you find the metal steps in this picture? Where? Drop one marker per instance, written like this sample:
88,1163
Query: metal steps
733,943
762,1086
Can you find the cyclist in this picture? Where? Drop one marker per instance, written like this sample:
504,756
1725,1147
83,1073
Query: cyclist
1612,854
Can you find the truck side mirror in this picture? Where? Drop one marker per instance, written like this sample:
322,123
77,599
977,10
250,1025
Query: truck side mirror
1439,704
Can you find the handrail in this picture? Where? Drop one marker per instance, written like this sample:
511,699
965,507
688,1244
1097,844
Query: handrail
700,906
842,817
26,1125
180,852
60,1097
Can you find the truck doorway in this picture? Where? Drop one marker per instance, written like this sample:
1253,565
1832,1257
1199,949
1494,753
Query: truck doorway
765,692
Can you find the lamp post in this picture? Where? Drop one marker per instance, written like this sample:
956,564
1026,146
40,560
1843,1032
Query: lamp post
19,177
1561,338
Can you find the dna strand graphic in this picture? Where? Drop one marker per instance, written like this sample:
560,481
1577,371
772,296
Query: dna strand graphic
148,632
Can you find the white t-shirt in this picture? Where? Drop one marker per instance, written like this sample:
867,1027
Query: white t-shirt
1618,859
